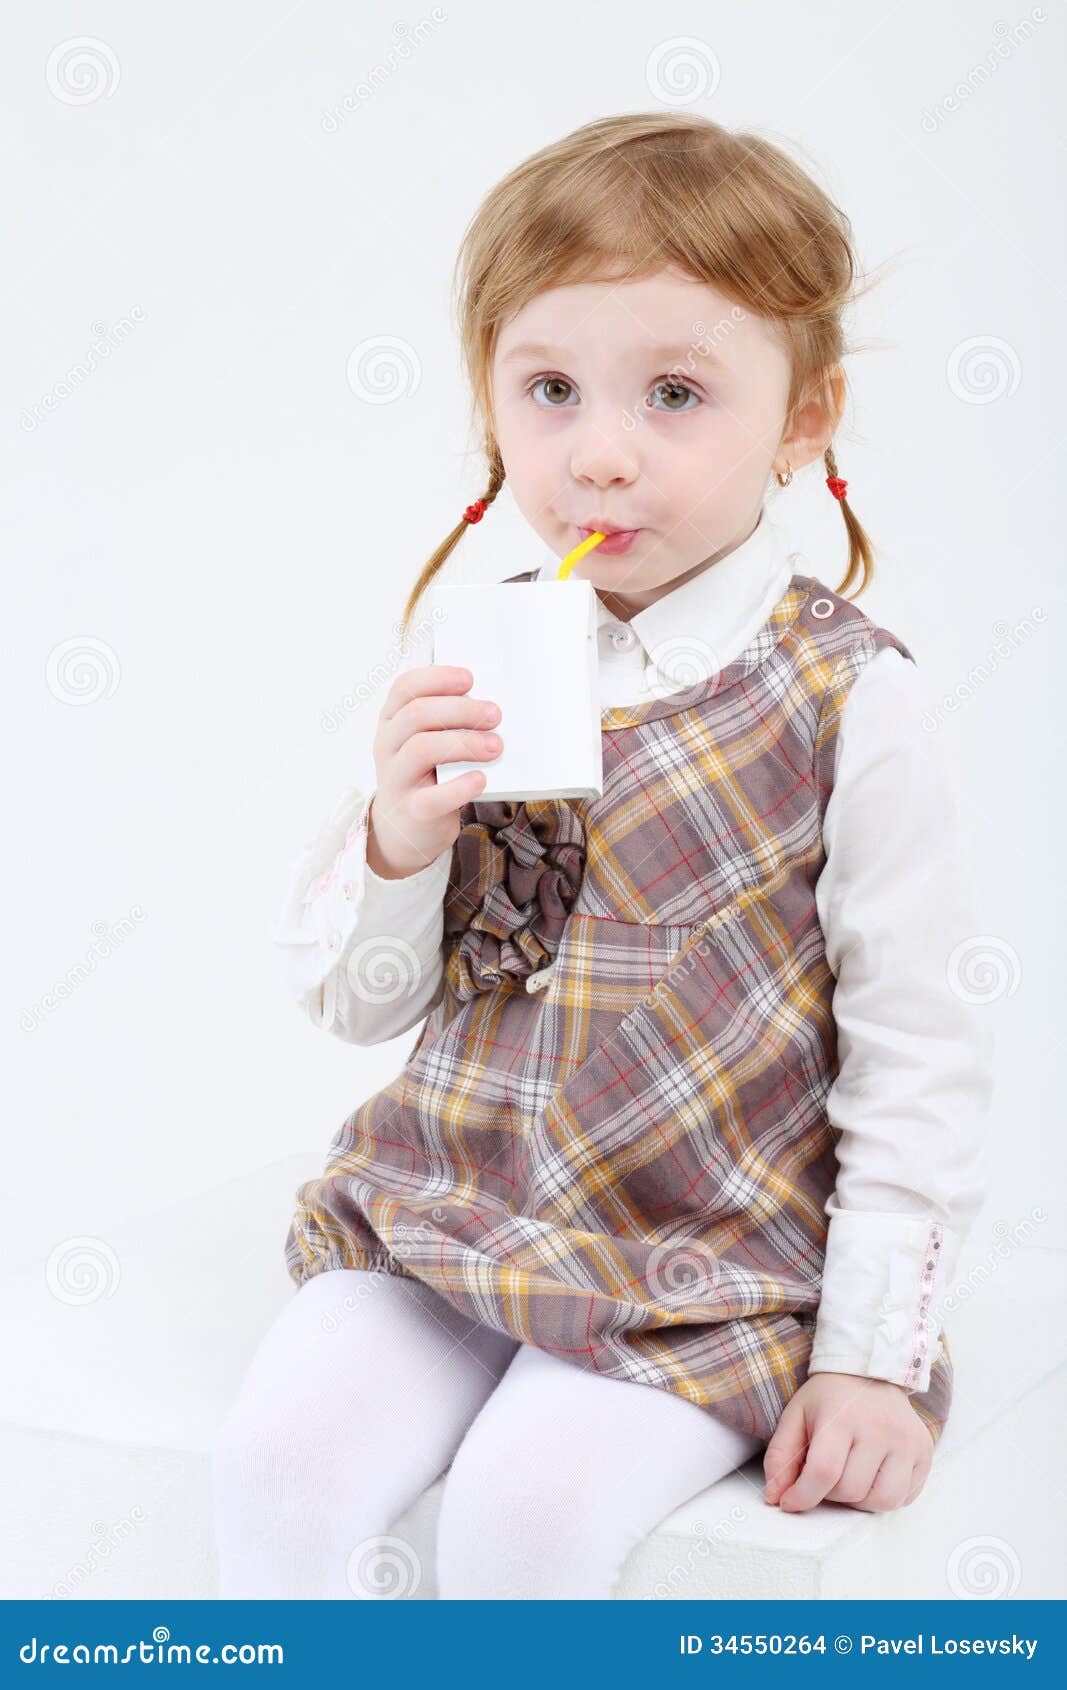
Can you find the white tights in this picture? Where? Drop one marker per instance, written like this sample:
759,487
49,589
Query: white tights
364,1390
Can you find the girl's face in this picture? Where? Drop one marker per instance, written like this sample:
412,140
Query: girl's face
656,406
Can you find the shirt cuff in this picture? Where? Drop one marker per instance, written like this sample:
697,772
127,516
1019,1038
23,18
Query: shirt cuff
387,979
883,1287
333,898
332,891
349,895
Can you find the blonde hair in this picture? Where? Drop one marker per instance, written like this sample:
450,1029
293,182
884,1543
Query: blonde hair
638,193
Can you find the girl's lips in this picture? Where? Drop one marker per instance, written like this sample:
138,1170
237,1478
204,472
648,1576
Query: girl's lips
615,543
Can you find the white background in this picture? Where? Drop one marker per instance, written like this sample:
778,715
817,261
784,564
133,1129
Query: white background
228,532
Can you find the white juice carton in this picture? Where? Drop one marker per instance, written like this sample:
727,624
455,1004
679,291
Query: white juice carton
531,647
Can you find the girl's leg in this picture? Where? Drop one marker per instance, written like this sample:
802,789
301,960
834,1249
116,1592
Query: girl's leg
353,1403
563,1472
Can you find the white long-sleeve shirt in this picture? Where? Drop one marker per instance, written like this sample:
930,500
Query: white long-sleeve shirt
894,899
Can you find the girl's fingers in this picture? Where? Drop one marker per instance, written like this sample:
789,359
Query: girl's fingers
891,1484
430,679
822,1469
436,712
784,1456
857,1475
444,690
443,797
420,755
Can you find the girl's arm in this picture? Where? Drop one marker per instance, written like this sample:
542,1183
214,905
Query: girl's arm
360,955
912,1093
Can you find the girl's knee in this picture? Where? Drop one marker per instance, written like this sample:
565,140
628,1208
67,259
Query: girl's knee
498,1537
268,1451
245,1449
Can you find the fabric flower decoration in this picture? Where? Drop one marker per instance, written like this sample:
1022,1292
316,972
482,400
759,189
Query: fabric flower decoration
516,871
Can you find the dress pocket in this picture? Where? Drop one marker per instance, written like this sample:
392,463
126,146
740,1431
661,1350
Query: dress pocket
705,1105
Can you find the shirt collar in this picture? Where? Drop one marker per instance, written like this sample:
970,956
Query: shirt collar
728,602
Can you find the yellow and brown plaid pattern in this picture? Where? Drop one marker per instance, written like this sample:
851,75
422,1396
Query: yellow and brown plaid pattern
626,1161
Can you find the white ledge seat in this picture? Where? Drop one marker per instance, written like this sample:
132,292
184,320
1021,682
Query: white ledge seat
109,1419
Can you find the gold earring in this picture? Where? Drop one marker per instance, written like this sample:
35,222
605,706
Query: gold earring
788,474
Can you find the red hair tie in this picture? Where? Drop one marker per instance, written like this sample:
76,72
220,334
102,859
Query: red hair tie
475,512
837,487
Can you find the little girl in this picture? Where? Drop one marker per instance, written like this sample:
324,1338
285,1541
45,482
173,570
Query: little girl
678,1169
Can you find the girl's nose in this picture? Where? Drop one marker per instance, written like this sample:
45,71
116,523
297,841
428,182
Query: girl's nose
603,448
603,464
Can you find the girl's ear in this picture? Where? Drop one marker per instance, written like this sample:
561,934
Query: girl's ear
815,420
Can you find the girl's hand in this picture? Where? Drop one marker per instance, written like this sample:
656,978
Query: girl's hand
425,720
846,1438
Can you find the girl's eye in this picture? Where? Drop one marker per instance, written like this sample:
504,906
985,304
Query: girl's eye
553,382
674,390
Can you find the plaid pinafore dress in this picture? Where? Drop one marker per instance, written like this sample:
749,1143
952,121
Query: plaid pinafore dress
610,1139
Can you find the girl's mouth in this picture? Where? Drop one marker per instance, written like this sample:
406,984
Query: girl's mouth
615,543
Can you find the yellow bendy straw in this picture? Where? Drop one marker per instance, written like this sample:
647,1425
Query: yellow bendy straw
571,558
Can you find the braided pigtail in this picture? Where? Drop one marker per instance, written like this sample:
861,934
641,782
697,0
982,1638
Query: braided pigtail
473,513
860,551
